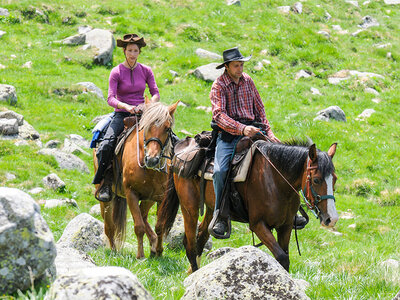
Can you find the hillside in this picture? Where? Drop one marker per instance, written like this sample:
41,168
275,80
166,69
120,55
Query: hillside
324,38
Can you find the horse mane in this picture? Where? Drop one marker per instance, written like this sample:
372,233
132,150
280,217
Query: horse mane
290,156
156,114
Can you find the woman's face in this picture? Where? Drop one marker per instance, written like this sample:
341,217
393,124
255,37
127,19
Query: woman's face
132,52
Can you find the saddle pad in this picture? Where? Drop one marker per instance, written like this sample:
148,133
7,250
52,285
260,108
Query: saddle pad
123,138
240,172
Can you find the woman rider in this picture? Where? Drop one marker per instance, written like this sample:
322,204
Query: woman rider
127,84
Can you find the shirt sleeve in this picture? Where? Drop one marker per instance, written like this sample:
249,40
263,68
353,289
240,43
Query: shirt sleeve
220,116
112,88
151,83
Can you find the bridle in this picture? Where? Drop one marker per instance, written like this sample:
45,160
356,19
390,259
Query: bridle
310,196
162,162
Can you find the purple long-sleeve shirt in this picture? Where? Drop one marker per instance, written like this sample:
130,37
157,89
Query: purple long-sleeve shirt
130,89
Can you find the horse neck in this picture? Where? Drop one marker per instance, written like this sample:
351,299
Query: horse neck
288,161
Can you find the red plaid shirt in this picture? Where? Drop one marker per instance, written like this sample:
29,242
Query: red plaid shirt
234,104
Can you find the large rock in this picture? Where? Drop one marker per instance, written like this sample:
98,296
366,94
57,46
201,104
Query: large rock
71,260
8,94
27,249
78,39
98,283
66,160
27,132
83,233
54,182
9,114
174,239
73,148
8,126
331,113
104,41
347,74
208,72
207,54
92,88
246,273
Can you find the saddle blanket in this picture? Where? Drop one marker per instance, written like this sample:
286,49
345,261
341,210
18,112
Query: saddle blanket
239,171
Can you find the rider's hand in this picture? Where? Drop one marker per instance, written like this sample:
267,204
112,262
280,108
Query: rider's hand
250,131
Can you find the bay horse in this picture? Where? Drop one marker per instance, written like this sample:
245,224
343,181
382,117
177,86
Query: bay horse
270,194
143,163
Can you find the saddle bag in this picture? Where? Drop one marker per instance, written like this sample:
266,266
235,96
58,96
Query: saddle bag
188,157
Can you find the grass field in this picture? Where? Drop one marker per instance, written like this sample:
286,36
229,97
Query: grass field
346,266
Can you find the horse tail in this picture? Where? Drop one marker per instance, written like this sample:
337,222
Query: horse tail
168,209
119,220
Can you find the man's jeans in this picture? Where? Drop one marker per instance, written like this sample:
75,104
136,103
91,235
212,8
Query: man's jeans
223,157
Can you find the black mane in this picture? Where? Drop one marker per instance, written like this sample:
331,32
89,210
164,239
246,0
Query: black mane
290,156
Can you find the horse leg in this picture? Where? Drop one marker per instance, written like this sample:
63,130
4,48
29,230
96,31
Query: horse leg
268,239
144,210
283,234
190,212
203,234
106,209
133,203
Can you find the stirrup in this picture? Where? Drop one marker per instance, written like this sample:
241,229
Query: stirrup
212,223
97,192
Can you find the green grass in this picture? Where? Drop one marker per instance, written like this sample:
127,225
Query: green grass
367,159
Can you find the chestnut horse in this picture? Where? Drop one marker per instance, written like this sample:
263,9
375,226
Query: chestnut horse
270,194
143,162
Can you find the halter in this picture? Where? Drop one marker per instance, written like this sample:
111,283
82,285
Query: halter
161,167
310,196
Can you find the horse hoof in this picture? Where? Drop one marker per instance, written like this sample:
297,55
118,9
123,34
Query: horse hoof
189,271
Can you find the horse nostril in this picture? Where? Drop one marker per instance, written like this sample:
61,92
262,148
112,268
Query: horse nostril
328,221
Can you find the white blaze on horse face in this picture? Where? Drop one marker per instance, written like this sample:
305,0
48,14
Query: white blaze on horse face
331,207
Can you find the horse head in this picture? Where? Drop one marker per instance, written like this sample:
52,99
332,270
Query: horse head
319,182
157,122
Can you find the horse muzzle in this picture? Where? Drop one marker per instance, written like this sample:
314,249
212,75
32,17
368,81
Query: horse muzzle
331,216
151,162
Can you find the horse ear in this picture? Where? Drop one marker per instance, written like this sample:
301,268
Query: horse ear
312,153
173,107
146,100
332,150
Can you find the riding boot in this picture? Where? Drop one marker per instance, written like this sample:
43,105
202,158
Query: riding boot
103,192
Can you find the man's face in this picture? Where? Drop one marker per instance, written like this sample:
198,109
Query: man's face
235,69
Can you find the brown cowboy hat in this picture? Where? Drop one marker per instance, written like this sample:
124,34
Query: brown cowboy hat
232,54
131,38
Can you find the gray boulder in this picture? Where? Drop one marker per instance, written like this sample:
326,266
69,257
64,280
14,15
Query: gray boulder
246,273
53,182
27,132
174,239
26,242
69,259
208,72
8,94
331,113
95,210
219,253
8,126
83,233
78,39
9,114
104,41
98,283
92,88
207,54
52,203
71,147
66,160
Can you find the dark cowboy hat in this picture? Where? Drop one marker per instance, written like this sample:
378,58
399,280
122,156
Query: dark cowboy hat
233,55
131,38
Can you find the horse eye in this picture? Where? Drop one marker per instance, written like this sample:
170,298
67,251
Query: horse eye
317,181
